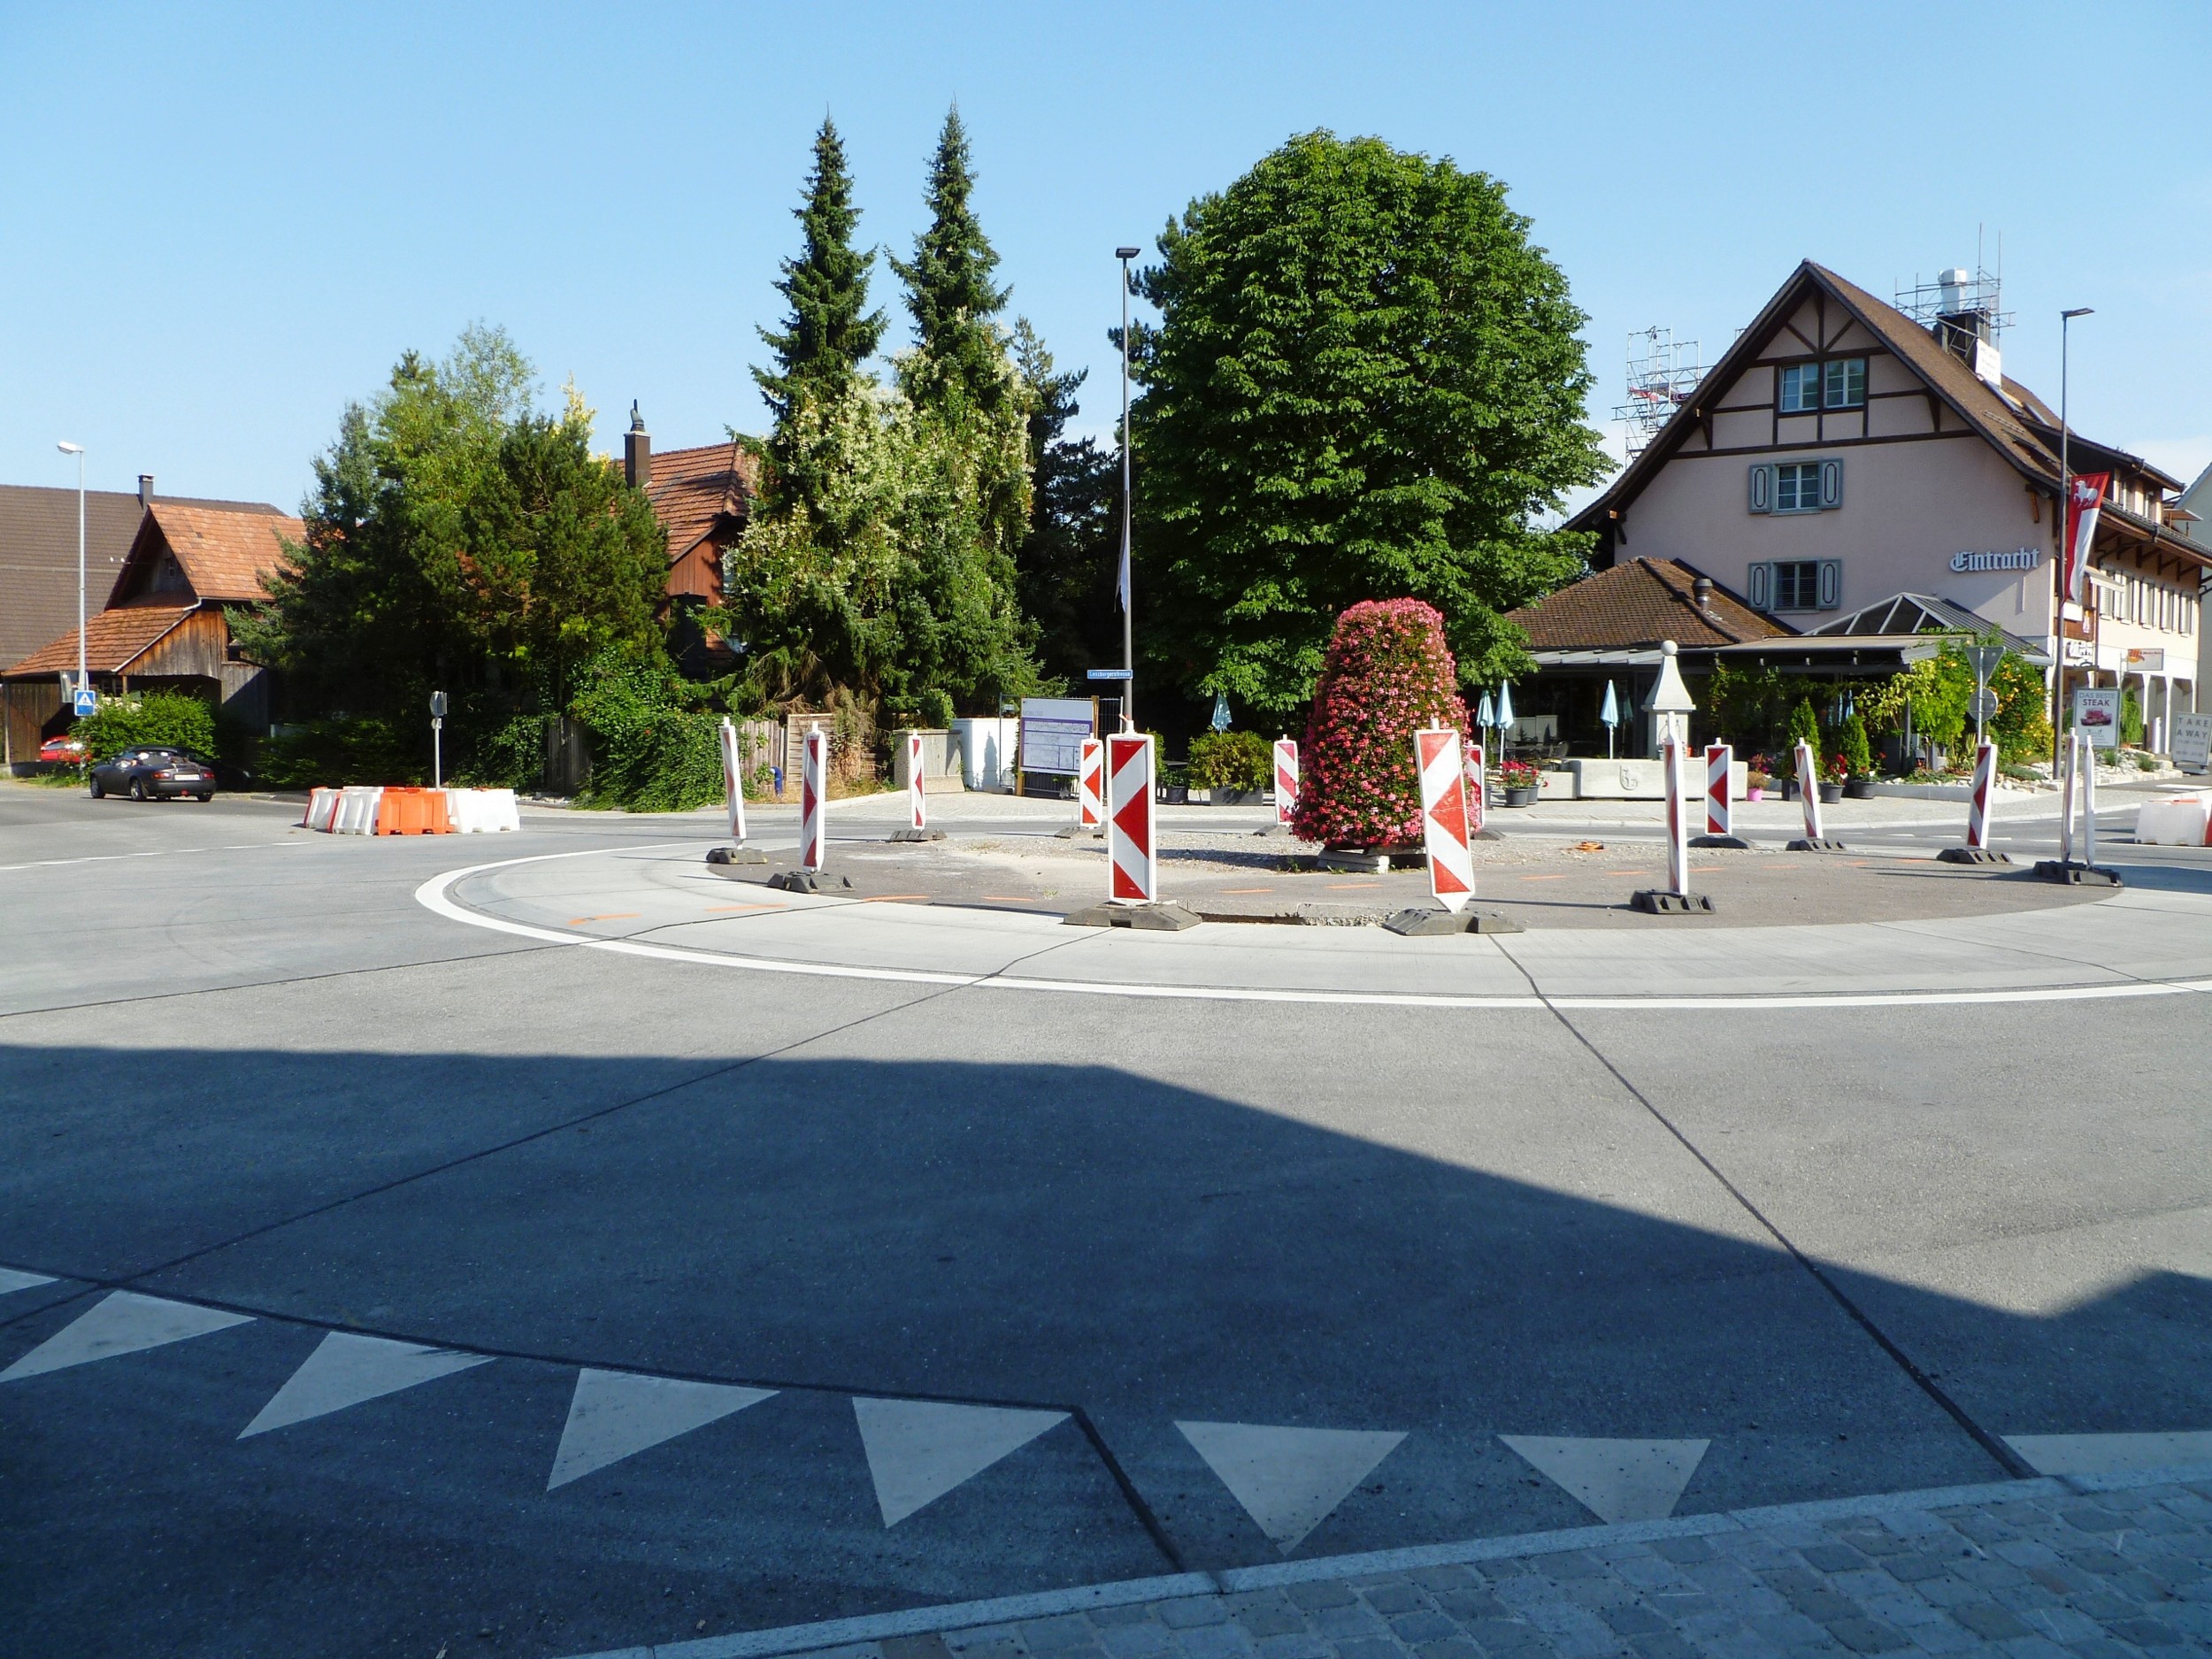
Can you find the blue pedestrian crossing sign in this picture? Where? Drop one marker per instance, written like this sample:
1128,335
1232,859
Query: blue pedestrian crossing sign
84,701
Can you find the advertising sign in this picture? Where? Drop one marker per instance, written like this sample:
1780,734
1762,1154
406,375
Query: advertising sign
1053,730
2192,741
2097,714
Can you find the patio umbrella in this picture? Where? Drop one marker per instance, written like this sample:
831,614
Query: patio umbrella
1611,715
1505,704
1484,717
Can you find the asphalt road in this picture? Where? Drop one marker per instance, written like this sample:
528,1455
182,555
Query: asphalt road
952,1294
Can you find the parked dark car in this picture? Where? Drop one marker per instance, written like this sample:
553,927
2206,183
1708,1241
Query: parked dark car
148,774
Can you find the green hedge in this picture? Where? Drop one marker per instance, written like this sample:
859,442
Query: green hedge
1231,760
171,719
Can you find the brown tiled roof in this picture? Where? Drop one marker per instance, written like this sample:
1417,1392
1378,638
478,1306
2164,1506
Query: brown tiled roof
113,640
225,551
693,489
1636,604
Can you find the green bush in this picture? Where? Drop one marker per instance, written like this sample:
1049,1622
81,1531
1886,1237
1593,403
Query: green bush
512,757
1231,760
2131,720
1805,726
1856,754
171,719
362,749
936,707
649,753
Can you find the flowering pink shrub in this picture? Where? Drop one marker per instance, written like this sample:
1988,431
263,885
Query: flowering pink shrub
1388,675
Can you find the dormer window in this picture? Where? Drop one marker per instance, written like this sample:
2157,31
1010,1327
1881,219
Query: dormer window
1810,387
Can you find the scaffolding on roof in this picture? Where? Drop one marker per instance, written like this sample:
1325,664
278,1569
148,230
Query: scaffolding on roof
1663,373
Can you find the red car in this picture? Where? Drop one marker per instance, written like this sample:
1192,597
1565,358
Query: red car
63,749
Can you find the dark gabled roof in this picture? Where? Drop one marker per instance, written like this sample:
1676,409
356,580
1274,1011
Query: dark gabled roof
695,490
2016,423
1639,603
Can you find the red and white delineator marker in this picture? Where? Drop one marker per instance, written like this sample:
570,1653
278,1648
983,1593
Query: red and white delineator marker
2088,800
1444,816
2067,789
733,781
1090,784
1478,787
1132,847
1678,815
1720,758
1808,790
1286,780
813,796
916,798
1978,806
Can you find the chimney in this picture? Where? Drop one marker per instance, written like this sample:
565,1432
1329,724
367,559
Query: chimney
1702,590
637,451
145,489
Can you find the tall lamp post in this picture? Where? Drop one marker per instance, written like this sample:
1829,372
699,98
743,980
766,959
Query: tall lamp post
2065,521
1128,598
77,449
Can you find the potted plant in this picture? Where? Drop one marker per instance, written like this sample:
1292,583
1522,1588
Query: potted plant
1519,781
1834,773
1858,759
1757,779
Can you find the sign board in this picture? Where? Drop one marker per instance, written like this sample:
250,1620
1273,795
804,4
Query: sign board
1107,673
1984,659
2190,740
1985,704
84,701
1444,831
1131,859
2149,657
1053,730
437,705
2097,714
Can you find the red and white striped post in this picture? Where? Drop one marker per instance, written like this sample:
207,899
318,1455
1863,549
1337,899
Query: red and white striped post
1130,846
1478,788
1720,759
813,794
2088,800
1444,816
1808,789
1977,806
733,781
1678,815
2067,789
916,797
1090,784
1286,780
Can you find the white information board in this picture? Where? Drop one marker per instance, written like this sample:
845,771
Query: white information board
2097,714
2192,741
1053,730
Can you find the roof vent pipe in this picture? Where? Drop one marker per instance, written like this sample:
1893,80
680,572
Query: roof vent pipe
1702,590
637,452
145,489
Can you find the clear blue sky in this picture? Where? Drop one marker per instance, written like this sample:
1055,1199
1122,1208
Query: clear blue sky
219,224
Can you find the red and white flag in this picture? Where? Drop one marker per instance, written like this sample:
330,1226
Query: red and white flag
2085,501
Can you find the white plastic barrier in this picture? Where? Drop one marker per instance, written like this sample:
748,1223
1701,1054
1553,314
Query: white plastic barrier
357,809
481,811
2178,820
322,810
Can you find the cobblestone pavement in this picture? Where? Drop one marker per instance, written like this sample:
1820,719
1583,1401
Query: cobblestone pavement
2052,1570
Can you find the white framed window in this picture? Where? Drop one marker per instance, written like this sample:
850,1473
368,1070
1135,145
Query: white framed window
1796,585
1843,383
1796,486
1800,388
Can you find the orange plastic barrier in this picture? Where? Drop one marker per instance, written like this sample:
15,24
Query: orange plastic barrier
413,812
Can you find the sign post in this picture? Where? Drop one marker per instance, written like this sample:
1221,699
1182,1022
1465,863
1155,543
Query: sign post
1477,791
1133,869
1286,780
1814,839
1976,850
1985,659
1675,899
813,791
1720,763
918,827
1447,834
437,740
2078,782
1090,785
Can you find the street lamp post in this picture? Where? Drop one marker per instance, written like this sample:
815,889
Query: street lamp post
2065,519
1128,595
77,449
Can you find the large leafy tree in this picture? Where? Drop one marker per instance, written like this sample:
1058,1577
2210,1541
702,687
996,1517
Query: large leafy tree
1064,565
1366,383
961,362
457,538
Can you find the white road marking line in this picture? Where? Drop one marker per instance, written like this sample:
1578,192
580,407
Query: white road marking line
346,1369
1288,1479
1616,1480
10,1279
920,1449
122,1322
2112,1453
431,895
615,1414
159,852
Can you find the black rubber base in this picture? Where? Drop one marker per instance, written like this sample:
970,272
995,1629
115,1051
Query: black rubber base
736,855
1427,924
1166,918
1733,843
1806,844
911,834
1972,855
2079,875
806,881
1661,901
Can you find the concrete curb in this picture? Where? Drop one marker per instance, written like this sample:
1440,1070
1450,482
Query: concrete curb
798,1639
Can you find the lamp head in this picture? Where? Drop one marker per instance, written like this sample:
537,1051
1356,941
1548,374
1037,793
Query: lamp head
67,447
1127,253
2078,311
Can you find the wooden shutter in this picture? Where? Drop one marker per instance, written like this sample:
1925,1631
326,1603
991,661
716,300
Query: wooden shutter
1759,590
1831,484
1763,489
1830,581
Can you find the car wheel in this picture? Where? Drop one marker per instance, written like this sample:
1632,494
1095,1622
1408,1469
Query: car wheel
205,796
99,790
138,788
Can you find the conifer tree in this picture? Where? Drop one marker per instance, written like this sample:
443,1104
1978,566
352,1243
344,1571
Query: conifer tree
962,359
830,332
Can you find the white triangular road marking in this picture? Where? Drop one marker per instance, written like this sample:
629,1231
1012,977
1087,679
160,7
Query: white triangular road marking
12,1279
123,1322
1289,1479
345,1370
919,1449
2111,1454
1616,1480
616,1413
